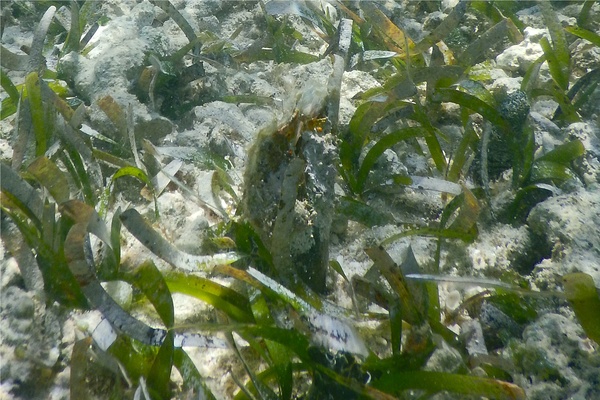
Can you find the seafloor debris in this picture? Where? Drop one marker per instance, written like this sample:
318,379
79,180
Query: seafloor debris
288,196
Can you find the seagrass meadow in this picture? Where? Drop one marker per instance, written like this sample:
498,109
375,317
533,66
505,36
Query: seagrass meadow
319,199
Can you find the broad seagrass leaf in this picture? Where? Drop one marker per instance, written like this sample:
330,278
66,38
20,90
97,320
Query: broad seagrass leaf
467,237
358,211
54,94
559,53
150,281
78,385
462,152
583,89
558,73
140,175
37,62
222,298
74,162
336,266
38,113
468,213
191,376
431,381
74,35
161,180
565,153
584,297
261,388
179,19
364,390
159,376
359,130
584,14
115,113
82,213
279,356
476,50
584,34
391,35
135,358
380,147
444,28
292,339
24,196
51,177
12,61
327,330
549,171
473,103
86,221
413,311
433,184
139,228
9,104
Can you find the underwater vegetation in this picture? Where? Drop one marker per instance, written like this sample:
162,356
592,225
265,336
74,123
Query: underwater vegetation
74,189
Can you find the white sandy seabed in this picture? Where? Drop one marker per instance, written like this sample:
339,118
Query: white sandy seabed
552,357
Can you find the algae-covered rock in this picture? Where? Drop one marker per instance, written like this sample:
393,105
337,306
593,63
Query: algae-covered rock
552,361
501,147
288,197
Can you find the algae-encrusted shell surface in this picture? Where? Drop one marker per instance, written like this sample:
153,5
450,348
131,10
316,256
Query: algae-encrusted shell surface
288,199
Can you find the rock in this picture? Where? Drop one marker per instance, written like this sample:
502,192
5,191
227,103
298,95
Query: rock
553,361
570,225
520,56
588,167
